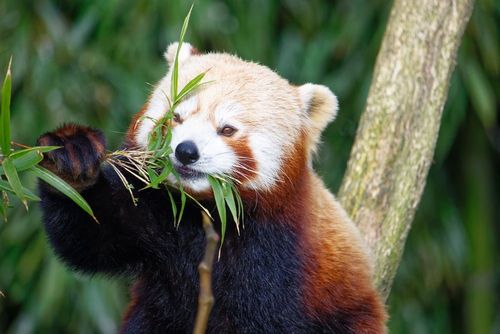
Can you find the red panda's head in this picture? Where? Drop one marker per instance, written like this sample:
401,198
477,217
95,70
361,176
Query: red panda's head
245,121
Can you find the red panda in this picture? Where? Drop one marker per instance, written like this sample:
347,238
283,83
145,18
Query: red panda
298,266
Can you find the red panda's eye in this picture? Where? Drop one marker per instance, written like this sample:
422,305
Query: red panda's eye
177,118
227,131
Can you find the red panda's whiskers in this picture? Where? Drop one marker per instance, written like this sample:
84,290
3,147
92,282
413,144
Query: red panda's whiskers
251,170
223,175
239,173
245,177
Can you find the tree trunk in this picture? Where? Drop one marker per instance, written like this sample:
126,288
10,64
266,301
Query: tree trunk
397,133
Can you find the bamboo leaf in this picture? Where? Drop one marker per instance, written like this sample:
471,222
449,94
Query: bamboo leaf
158,141
183,204
220,203
152,176
160,178
5,112
240,206
13,178
165,150
5,186
175,71
26,161
185,25
63,187
191,85
231,203
27,158
31,195
175,78
40,149
174,206
154,140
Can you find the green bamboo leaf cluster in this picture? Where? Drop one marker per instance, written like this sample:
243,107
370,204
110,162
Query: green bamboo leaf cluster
226,194
159,166
26,160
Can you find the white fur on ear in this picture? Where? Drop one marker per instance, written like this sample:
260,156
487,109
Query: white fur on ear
320,105
186,51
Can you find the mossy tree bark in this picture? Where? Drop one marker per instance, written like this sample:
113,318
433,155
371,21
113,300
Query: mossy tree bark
397,133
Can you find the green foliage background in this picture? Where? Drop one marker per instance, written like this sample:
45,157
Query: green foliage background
92,62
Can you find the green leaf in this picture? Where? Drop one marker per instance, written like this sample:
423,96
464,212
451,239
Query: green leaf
40,149
31,195
165,150
240,206
13,178
159,137
27,160
5,186
191,85
175,71
174,206
183,205
152,178
5,112
160,178
154,140
185,25
175,77
63,187
231,203
220,203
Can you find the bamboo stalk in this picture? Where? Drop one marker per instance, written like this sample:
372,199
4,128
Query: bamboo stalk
206,298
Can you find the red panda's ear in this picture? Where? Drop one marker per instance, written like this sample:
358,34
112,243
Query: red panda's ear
320,105
185,52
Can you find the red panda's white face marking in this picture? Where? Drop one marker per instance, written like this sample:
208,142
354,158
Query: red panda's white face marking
244,123
202,132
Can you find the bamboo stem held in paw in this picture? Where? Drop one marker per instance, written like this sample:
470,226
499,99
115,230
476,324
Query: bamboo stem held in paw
206,298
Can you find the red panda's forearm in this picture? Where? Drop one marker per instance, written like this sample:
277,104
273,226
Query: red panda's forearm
114,245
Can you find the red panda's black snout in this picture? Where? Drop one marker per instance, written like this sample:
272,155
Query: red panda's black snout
187,152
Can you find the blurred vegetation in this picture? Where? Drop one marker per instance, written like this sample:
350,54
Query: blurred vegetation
93,62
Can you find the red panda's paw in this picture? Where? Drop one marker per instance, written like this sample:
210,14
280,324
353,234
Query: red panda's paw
77,161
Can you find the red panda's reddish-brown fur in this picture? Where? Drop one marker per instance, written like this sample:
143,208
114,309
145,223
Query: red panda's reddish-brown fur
286,197
247,165
338,275
132,128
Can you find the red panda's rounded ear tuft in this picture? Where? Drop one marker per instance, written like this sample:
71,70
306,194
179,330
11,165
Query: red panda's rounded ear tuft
320,106
186,51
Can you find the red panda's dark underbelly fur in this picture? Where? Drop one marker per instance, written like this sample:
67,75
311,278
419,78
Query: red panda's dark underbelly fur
258,282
